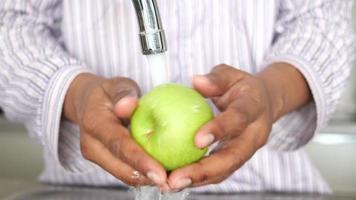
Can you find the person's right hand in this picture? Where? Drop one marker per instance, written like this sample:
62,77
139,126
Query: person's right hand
102,107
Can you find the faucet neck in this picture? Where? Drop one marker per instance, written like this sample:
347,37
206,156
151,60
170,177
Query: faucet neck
152,36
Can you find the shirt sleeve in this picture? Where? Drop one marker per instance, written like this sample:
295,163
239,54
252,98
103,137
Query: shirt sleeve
36,71
317,38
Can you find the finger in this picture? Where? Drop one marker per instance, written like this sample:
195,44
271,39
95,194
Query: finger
119,142
214,168
123,93
165,188
118,88
94,151
125,107
228,124
218,81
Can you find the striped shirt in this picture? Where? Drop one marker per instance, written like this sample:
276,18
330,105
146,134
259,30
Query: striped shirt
45,44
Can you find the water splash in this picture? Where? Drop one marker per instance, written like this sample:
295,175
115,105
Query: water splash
153,193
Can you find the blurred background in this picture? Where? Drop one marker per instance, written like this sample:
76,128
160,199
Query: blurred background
333,150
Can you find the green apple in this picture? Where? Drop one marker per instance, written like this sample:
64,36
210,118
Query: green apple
166,121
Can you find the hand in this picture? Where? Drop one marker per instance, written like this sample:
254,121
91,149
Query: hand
102,107
249,105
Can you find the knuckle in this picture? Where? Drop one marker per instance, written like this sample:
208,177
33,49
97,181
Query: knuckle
241,121
202,178
220,179
227,69
120,87
232,122
229,127
244,89
85,150
122,147
126,84
126,150
136,158
139,162
89,122
234,161
220,129
263,138
129,81
261,143
221,66
220,103
133,181
114,145
238,162
128,181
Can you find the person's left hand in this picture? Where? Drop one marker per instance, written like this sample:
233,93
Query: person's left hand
242,127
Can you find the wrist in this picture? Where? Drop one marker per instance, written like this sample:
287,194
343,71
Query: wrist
76,95
287,88
274,92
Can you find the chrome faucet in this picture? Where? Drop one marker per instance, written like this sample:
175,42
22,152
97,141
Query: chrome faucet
152,36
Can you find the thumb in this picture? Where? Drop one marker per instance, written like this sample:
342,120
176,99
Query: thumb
204,85
125,107
123,93
218,81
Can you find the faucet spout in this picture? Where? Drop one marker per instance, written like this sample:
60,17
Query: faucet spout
152,36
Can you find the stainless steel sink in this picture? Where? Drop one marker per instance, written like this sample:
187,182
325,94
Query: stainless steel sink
76,193
333,151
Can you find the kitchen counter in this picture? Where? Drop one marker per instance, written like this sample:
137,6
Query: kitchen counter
24,190
332,151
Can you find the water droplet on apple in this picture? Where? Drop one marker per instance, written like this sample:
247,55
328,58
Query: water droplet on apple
164,124
196,108
149,132
154,105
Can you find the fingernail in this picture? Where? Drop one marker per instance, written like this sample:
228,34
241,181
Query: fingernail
198,76
165,188
127,93
124,96
203,78
154,177
132,94
206,140
182,183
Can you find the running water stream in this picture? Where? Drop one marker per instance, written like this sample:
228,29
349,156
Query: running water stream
153,193
159,68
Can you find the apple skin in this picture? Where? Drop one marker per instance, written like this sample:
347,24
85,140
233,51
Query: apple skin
165,123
